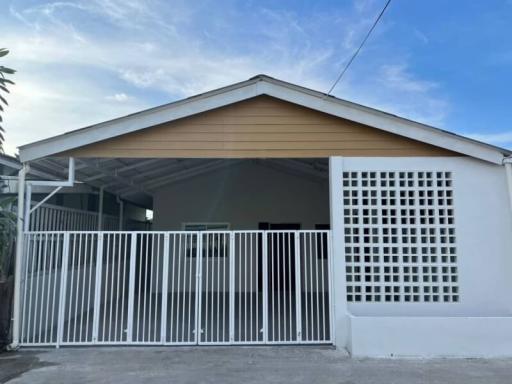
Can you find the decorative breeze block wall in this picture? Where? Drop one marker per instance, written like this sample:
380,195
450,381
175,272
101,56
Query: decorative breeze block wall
400,243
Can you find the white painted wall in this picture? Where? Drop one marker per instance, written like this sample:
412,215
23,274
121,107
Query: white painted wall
484,243
431,336
242,195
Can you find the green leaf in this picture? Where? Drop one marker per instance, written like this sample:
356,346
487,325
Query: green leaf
3,100
7,70
6,81
3,52
4,89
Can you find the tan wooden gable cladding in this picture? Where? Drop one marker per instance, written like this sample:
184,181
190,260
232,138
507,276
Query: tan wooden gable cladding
260,127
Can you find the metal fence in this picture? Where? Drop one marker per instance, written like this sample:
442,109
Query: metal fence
213,287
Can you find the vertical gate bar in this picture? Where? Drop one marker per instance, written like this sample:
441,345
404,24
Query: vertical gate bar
311,287
289,281
111,255
139,283
184,287
272,281
82,274
218,284
199,285
165,288
28,241
315,235
225,238
205,325
212,260
250,282
119,239
322,273
173,283
88,248
278,262
190,277
131,287
103,333
306,303
43,287
181,299
329,286
145,289
125,251
257,288
97,287
53,268
150,304
63,287
298,287
245,287
239,256
232,287
36,298
264,255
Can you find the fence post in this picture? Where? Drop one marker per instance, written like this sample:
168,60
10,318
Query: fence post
63,287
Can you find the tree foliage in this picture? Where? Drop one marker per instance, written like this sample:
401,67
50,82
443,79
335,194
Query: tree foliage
4,82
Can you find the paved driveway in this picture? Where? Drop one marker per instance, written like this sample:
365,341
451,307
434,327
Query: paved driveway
244,365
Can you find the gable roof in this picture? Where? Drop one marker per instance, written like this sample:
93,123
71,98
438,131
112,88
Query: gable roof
255,86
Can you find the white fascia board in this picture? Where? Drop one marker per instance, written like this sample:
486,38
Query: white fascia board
385,122
146,119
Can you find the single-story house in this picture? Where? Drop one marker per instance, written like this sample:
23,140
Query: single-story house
281,215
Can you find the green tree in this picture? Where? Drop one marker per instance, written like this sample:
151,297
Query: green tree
4,81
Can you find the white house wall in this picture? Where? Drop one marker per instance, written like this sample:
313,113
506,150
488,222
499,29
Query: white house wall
475,324
243,196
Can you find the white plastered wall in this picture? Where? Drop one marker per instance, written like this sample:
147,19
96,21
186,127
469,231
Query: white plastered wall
480,323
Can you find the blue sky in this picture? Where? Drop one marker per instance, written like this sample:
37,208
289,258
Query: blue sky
79,62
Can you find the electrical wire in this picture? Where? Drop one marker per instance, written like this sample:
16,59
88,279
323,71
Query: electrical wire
360,46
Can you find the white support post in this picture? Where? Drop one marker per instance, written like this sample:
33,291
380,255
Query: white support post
19,256
339,284
100,210
28,203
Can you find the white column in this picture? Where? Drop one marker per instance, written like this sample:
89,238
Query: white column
19,256
339,285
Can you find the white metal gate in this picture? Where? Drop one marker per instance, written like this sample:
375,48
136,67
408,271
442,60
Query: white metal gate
176,288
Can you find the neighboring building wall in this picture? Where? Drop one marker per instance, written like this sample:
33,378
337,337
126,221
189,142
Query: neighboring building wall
474,277
242,195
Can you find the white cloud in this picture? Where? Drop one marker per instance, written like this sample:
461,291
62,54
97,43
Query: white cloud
398,76
120,97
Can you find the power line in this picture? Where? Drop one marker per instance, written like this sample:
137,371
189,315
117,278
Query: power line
358,49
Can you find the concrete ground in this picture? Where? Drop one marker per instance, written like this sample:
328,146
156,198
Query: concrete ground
238,365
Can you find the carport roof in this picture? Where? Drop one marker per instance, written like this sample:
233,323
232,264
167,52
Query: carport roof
255,86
